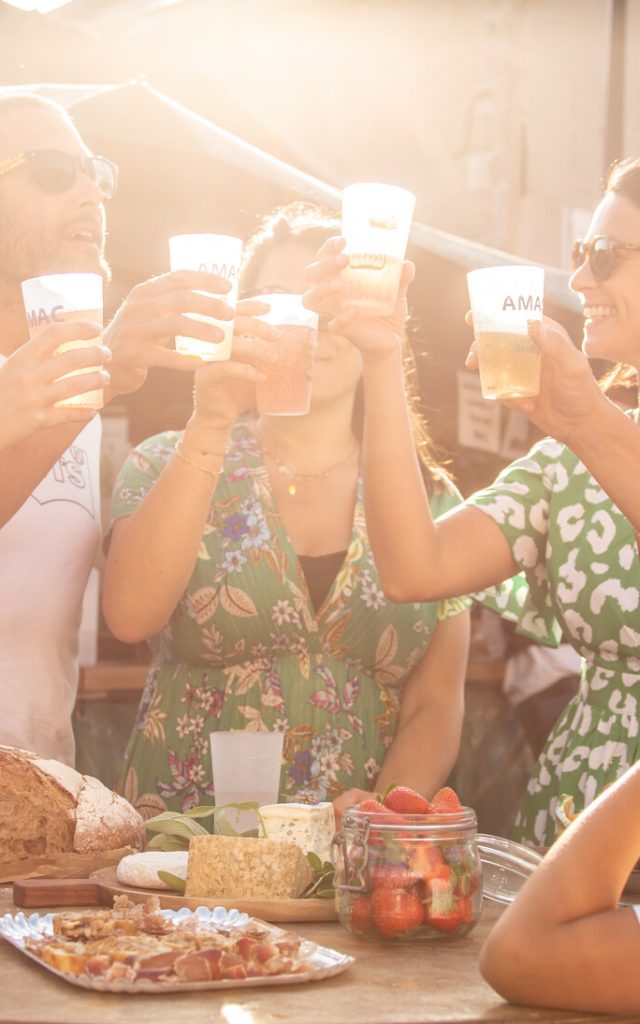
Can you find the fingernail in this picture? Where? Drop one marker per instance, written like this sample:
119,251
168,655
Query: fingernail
106,376
105,352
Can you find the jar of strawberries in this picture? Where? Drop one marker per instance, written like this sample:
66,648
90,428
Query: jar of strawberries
407,869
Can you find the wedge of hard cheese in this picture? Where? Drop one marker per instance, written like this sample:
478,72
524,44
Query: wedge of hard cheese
243,868
310,826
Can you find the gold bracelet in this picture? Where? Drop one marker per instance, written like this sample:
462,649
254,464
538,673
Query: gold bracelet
213,473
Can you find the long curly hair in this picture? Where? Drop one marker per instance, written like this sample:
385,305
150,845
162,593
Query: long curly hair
313,224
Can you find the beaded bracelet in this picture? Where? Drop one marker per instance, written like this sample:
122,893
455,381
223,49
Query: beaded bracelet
213,473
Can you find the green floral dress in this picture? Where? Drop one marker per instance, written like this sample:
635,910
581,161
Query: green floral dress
581,577
244,648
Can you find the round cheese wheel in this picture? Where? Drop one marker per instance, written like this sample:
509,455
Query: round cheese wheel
141,869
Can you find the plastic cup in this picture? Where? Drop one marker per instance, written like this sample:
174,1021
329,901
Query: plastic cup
287,389
376,220
215,254
246,766
55,298
503,300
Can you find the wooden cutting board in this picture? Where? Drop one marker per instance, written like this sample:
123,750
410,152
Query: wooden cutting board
100,888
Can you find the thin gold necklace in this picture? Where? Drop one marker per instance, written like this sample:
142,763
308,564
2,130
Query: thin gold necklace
295,477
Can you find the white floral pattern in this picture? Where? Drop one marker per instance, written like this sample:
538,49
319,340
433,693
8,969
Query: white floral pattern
581,578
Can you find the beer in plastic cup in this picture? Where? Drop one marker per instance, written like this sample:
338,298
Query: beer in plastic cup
246,767
503,299
287,389
54,298
214,254
376,220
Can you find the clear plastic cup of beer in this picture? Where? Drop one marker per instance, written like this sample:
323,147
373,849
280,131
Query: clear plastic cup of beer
56,298
376,220
503,300
214,254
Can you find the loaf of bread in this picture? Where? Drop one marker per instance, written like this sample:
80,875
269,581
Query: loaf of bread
244,868
48,808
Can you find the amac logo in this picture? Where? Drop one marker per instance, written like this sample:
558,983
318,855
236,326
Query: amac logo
522,302
38,317
230,271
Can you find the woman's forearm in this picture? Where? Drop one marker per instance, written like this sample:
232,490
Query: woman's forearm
564,942
153,552
424,749
394,491
427,739
417,559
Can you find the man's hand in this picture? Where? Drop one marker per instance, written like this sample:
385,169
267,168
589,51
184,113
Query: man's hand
30,384
153,314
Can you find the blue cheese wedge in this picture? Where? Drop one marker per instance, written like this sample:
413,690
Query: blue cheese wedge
309,826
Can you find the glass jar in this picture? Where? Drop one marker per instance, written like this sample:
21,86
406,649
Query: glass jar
408,877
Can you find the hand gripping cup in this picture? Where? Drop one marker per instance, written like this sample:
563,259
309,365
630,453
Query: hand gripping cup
287,389
376,220
214,254
55,298
503,299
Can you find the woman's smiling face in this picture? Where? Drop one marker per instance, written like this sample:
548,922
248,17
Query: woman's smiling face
611,308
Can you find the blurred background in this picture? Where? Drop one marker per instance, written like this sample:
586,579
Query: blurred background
501,115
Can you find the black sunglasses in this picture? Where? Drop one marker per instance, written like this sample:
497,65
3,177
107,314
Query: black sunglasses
601,253
52,170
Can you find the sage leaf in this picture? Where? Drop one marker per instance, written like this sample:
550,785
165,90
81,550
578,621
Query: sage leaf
176,883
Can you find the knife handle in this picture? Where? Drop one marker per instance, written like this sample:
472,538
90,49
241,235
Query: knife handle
34,893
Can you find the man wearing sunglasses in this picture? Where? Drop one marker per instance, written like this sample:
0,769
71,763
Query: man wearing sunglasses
52,219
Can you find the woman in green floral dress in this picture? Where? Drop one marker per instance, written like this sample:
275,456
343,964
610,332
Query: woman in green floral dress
545,515
242,554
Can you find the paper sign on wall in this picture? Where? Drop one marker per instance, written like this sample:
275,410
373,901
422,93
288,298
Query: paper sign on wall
478,419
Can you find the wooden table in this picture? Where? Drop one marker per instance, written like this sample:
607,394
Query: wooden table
433,984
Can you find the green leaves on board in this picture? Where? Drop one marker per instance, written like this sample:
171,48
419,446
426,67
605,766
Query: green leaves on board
173,831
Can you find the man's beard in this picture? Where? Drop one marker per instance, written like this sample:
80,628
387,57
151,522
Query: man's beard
24,256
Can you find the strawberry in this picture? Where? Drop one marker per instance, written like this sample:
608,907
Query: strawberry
392,876
445,801
404,800
371,806
396,911
428,862
447,912
362,915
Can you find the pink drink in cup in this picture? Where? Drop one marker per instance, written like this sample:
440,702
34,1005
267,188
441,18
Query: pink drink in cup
287,389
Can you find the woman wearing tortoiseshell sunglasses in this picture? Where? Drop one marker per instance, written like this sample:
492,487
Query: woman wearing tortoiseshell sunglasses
545,517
